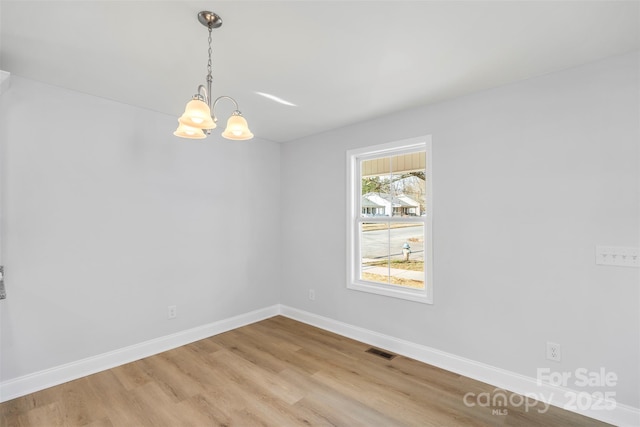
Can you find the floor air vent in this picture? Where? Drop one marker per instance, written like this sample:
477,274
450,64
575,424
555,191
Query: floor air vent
381,353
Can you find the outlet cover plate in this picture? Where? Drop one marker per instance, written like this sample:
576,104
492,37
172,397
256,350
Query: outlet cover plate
553,352
172,312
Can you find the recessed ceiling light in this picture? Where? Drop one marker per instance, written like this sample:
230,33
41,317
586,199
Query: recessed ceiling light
277,99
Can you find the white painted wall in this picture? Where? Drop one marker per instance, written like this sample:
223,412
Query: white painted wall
109,219
527,178
5,81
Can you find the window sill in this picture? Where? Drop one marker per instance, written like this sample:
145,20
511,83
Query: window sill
420,296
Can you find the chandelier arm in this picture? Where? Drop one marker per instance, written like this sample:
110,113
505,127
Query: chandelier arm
213,107
225,97
202,95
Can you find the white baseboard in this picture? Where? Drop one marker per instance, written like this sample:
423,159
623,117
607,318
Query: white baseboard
61,374
620,415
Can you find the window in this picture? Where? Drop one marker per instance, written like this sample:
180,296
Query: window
389,219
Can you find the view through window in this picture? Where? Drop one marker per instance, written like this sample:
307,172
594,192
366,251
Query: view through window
391,251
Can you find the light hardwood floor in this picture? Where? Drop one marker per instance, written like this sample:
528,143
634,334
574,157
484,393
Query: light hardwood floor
277,372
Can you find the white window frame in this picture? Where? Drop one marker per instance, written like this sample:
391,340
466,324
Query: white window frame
355,218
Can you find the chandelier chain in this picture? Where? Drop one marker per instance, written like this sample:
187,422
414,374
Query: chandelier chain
209,71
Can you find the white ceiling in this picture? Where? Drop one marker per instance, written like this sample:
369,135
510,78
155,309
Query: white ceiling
340,62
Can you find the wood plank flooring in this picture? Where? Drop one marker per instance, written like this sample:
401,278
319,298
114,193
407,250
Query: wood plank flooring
277,372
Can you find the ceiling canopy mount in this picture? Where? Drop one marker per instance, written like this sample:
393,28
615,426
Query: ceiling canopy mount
209,19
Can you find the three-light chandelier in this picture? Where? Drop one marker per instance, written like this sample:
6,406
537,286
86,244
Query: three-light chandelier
199,118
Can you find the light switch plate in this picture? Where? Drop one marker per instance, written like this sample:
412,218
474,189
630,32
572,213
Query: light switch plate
617,256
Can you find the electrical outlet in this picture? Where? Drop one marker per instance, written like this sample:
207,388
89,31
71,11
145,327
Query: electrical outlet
553,351
172,312
312,295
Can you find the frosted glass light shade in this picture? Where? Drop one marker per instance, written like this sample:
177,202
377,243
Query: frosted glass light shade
185,131
237,128
197,115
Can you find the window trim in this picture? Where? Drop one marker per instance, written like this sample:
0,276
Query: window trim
354,190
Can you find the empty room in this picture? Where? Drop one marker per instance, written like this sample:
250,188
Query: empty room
328,213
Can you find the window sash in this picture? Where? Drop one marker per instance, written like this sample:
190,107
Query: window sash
355,220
